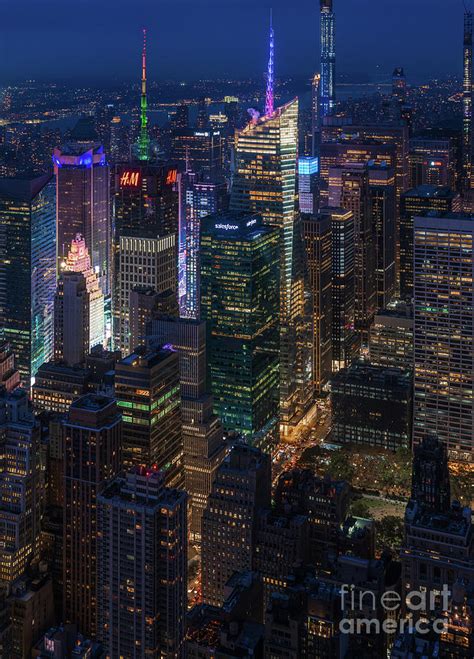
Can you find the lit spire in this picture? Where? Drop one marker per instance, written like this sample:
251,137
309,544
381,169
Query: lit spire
144,141
270,73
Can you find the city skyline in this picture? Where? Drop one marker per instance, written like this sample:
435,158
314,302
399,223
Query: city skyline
237,330
103,45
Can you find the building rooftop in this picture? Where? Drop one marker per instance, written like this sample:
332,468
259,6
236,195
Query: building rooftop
425,191
234,225
92,402
369,374
397,309
23,189
456,522
143,357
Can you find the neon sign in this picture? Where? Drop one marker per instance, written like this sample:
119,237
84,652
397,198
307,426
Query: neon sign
130,179
172,177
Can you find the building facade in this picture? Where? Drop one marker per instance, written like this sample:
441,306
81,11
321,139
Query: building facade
147,616
240,304
148,394
92,447
444,330
28,275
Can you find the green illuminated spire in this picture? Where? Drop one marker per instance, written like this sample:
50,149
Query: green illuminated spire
144,141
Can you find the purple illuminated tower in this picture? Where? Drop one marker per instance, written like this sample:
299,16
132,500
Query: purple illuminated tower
270,74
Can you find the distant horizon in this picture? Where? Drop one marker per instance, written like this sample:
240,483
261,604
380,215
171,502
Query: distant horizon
343,78
101,39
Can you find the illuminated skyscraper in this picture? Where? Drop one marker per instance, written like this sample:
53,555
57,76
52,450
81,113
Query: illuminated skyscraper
202,149
432,162
467,103
241,489
444,331
28,272
20,487
382,211
78,260
142,566
203,444
143,262
345,342
349,189
413,203
83,199
147,392
91,438
328,59
308,184
197,198
265,183
145,200
240,304
317,233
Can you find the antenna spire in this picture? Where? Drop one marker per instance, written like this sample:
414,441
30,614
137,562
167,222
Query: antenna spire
269,99
144,141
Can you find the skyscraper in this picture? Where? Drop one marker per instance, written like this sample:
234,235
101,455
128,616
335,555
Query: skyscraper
78,260
147,392
444,330
414,203
91,438
432,162
308,184
28,273
240,491
349,188
265,183
328,59
197,198
145,200
382,211
142,566
143,262
203,445
240,304
345,342
467,103
20,485
83,199
71,319
317,235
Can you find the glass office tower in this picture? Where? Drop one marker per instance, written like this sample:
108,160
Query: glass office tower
240,303
28,270
265,183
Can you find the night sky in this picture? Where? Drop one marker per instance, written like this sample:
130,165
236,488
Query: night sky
96,40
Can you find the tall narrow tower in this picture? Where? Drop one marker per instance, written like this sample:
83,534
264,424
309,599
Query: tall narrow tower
269,99
467,102
328,59
144,141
